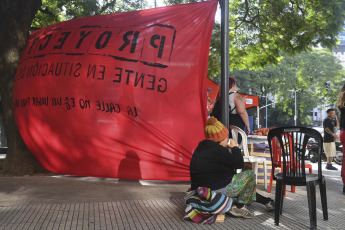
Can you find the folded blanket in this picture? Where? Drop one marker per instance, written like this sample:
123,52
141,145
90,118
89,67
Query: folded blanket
261,145
203,205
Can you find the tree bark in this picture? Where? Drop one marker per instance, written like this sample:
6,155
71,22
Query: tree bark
15,20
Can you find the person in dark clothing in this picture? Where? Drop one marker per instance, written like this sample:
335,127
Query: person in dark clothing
341,107
214,164
205,168
329,125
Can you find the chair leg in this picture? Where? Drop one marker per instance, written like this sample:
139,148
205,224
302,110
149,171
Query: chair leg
293,188
265,174
324,199
271,182
256,168
312,204
278,199
282,200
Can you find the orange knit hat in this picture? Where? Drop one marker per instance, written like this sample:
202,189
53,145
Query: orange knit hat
215,130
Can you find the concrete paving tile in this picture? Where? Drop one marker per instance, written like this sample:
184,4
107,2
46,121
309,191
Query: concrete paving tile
55,213
143,213
115,215
136,216
91,217
64,217
14,221
59,211
68,223
102,220
20,222
45,219
7,216
58,203
34,221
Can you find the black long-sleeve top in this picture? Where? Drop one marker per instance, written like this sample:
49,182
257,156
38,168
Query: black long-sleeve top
213,165
342,118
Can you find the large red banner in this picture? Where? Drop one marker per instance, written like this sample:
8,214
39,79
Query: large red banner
120,95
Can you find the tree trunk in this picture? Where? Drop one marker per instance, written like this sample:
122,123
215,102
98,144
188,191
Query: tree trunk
15,20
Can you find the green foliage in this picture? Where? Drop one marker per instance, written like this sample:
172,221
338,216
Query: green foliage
47,15
54,11
261,29
306,73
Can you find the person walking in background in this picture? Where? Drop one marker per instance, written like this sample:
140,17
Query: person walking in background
330,124
341,107
238,115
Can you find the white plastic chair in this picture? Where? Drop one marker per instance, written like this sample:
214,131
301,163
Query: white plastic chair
235,131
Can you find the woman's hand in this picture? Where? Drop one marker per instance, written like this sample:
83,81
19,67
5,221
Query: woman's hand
248,130
233,143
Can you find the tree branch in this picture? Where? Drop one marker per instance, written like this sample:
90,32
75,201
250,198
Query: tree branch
245,15
247,10
46,11
298,6
251,20
244,19
34,28
106,6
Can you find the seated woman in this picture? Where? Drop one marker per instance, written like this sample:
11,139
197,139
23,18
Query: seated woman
213,165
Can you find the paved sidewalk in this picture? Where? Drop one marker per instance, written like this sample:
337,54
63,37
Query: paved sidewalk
68,202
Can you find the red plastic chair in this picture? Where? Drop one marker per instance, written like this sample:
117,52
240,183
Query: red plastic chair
277,163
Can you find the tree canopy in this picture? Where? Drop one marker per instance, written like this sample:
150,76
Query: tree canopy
261,29
306,73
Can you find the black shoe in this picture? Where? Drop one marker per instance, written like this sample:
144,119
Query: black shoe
344,189
270,206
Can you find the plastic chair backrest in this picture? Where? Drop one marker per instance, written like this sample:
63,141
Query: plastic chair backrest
293,142
277,159
235,131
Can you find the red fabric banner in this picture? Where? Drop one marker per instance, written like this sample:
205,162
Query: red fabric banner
120,95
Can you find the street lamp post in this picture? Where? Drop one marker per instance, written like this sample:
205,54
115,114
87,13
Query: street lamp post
266,112
295,117
224,62
263,91
265,106
295,109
